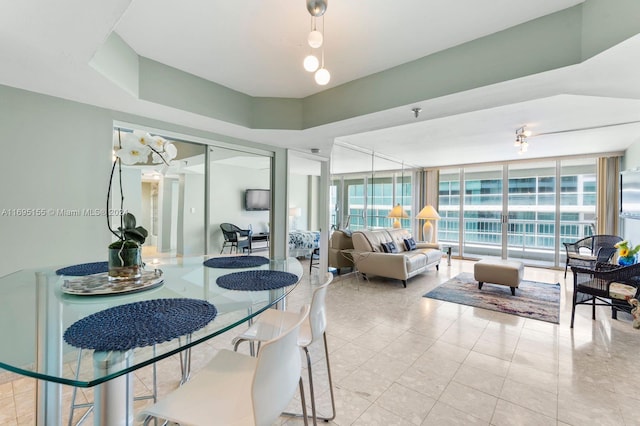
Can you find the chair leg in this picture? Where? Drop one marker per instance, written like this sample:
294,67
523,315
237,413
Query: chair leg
314,414
303,401
73,397
566,266
311,393
333,402
573,307
593,308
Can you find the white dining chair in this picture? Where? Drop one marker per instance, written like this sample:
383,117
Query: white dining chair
238,389
272,322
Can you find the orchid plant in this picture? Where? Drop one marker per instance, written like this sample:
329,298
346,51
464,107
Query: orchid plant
135,148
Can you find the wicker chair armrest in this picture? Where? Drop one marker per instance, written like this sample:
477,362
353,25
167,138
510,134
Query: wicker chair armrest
244,232
571,247
627,274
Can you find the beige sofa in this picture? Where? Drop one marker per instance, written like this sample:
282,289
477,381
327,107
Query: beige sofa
370,257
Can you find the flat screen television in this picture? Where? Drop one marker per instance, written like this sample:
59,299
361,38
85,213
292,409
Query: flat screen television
257,199
630,194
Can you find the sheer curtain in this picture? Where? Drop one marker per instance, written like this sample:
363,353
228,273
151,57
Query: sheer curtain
607,207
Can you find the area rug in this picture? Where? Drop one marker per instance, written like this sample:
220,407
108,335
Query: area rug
535,300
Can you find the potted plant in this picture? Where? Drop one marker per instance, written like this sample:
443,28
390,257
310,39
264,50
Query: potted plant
627,254
125,254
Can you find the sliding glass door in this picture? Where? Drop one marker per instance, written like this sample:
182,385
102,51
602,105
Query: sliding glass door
531,225
519,211
483,210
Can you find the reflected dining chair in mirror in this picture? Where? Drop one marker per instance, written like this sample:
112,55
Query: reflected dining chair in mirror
272,321
583,252
238,389
234,237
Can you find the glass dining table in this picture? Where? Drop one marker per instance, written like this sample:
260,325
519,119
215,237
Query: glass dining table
36,311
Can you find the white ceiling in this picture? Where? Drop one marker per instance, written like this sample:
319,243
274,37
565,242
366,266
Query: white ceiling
256,47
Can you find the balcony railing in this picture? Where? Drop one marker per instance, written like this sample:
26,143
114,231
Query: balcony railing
525,238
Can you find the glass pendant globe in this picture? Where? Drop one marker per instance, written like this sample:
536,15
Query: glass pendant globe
315,39
311,63
322,76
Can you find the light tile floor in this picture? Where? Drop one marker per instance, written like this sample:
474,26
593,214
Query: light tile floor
401,359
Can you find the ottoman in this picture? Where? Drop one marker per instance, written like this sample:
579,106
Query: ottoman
499,271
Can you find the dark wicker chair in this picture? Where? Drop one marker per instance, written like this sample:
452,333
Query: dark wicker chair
583,252
235,237
605,285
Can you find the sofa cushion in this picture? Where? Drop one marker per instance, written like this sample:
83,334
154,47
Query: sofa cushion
409,244
415,260
390,247
398,235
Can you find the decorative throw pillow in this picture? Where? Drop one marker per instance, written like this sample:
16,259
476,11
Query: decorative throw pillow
389,247
410,244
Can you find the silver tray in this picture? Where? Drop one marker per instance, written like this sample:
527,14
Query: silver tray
99,284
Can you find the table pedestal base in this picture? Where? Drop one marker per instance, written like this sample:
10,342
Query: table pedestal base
113,404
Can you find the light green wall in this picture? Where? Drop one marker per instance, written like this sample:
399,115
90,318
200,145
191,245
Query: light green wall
606,23
58,156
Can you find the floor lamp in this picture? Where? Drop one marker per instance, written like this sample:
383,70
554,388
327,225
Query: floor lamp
428,213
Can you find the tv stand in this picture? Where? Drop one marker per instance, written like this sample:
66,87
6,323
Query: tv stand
260,236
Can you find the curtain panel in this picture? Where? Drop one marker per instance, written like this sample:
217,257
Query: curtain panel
607,199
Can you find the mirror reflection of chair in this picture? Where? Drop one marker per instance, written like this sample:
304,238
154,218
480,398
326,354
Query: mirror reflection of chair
235,237
272,321
235,388
584,251
314,261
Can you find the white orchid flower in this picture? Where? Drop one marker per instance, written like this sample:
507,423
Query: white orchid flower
167,155
143,137
158,143
133,151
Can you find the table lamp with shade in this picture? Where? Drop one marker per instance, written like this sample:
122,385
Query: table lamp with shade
428,213
294,212
397,213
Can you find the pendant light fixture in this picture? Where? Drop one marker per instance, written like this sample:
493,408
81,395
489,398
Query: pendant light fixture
315,39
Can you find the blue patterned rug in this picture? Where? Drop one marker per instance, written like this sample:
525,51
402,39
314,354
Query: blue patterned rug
535,300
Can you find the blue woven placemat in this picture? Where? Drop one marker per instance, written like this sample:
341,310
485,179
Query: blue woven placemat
236,262
140,324
257,280
84,269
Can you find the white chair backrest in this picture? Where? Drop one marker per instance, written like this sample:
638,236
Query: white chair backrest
318,313
277,374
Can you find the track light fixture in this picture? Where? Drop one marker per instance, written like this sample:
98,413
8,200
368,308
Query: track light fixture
521,139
